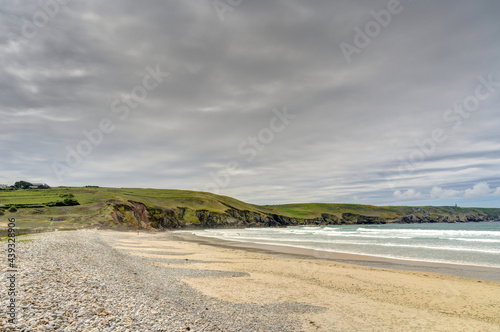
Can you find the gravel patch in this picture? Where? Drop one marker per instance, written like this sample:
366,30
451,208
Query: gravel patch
166,253
75,281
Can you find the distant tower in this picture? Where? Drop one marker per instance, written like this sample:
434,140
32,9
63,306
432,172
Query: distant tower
456,205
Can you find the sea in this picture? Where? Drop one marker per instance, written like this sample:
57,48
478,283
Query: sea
473,243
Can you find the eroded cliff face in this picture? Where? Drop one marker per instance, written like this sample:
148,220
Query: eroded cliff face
243,218
130,214
167,218
137,215
446,219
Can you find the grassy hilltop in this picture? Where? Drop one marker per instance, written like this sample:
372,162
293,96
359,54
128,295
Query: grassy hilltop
125,208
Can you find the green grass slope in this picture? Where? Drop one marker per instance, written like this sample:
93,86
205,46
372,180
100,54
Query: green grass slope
93,210
314,210
140,208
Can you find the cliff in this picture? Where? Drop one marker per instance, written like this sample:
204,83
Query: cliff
138,215
133,208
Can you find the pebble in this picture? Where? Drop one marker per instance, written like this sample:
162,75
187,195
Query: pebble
76,281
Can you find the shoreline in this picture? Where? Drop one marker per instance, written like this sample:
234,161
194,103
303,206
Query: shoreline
356,297
125,281
465,271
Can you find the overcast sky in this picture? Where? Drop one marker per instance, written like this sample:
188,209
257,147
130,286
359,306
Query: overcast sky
272,101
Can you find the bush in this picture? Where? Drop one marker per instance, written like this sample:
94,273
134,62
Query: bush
58,203
2,213
70,201
65,202
13,209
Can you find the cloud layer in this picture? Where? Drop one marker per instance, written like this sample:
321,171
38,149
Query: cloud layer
478,190
410,114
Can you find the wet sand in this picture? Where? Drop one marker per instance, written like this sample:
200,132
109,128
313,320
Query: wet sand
353,297
468,271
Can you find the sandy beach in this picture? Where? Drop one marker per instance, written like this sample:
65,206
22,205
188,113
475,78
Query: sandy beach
354,297
129,281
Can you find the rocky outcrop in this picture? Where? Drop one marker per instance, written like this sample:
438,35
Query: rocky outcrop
412,218
242,218
353,218
246,218
213,219
275,220
167,218
325,219
330,219
138,215
141,214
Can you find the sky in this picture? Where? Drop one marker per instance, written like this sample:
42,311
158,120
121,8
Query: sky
275,101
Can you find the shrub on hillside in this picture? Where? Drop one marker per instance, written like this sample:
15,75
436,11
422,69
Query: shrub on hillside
66,202
70,202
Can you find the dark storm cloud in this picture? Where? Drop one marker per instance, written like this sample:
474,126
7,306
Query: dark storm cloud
356,124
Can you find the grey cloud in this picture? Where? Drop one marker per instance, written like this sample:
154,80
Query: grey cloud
355,122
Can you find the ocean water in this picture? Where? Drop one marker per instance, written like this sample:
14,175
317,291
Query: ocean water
476,244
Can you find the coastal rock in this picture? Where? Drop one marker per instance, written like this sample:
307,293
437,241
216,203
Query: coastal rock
330,219
353,218
427,218
139,215
212,219
167,218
